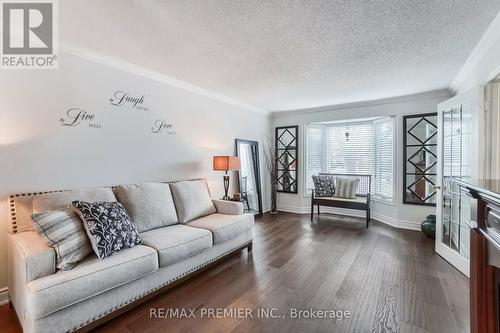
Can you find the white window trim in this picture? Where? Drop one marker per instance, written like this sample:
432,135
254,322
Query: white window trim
374,197
306,193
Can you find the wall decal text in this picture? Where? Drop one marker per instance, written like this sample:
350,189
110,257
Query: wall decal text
121,98
76,116
161,126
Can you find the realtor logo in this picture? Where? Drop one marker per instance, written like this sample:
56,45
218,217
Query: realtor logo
28,35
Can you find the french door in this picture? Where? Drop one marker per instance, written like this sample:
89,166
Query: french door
458,147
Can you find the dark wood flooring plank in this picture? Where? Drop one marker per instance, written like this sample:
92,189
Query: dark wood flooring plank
433,291
387,319
363,313
340,323
441,320
372,280
409,268
409,328
456,290
412,304
349,289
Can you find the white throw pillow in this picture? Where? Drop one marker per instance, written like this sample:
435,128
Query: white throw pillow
192,200
346,187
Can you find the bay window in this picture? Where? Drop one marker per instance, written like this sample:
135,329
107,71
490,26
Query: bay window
353,147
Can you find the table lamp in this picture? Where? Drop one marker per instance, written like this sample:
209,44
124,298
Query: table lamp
226,163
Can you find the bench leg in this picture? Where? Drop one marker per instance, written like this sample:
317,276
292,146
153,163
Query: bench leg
250,246
367,217
312,211
318,210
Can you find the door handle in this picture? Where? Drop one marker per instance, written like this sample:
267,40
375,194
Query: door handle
436,187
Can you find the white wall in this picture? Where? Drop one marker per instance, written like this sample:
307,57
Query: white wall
37,153
398,214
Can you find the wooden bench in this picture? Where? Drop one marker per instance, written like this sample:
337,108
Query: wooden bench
362,201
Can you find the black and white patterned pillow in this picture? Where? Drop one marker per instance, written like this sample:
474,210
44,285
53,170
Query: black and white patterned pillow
108,226
324,185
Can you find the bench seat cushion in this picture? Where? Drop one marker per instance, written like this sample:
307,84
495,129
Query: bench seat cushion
224,227
357,199
177,242
89,278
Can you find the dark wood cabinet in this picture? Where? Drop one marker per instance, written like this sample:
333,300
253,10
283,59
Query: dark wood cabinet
485,257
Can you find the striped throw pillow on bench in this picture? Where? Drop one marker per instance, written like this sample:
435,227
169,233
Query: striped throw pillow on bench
346,187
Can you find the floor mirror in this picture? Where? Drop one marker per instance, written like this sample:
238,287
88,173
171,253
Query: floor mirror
249,176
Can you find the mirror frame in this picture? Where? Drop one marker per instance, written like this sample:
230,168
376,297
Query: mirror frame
257,170
405,157
280,151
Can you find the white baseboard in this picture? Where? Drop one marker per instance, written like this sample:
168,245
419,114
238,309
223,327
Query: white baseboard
4,296
401,224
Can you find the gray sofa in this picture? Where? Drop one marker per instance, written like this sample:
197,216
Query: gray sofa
48,300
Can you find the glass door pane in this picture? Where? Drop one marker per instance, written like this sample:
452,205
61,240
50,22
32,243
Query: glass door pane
457,159
457,133
447,157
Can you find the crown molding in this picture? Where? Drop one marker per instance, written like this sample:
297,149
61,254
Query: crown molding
490,37
103,59
398,99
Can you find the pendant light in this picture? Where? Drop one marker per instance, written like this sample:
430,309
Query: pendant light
347,132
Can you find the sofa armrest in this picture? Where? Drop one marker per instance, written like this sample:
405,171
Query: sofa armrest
228,207
29,256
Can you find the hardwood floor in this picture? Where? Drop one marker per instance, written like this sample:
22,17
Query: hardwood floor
390,280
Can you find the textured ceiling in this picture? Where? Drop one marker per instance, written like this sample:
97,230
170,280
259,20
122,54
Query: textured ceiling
282,55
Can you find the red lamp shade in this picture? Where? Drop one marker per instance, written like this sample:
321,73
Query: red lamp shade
226,163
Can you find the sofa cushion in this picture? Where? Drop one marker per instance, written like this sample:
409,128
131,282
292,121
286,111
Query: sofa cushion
108,227
89,278
59,200
149,205
177,242
191,199
63,231
224,227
